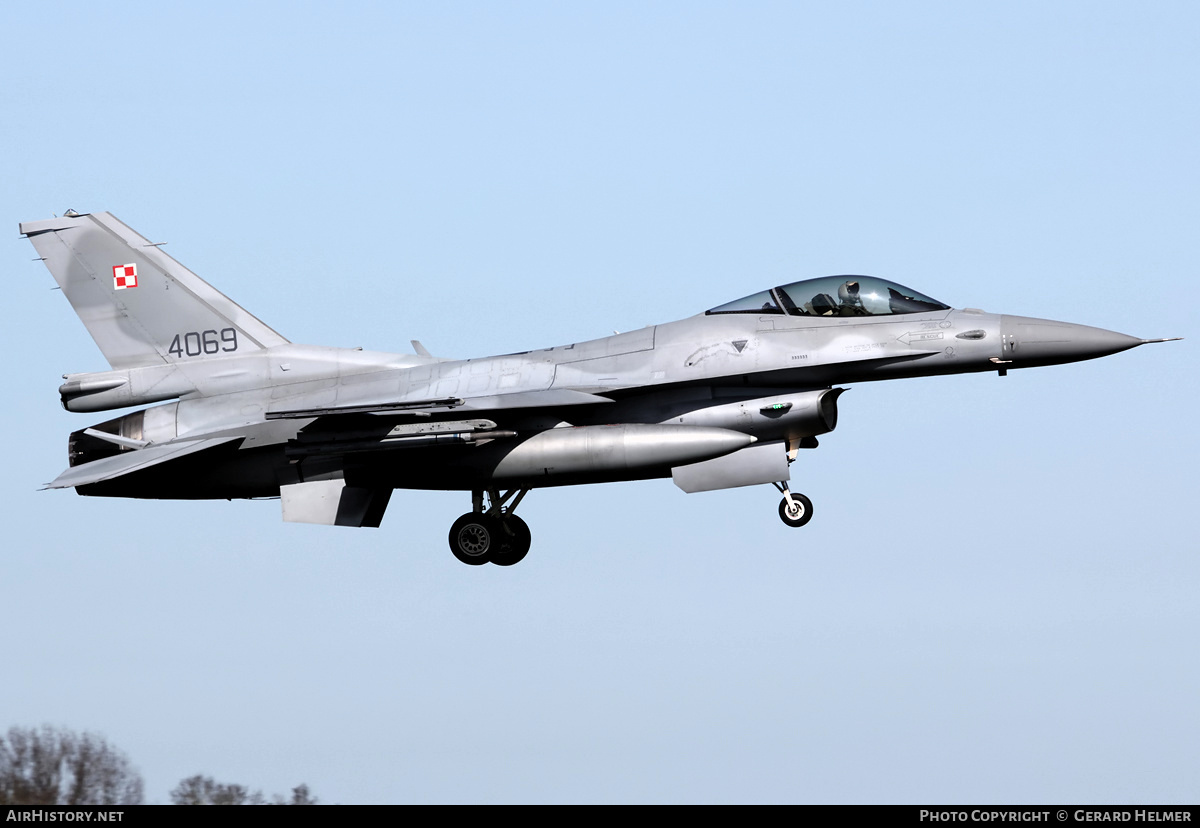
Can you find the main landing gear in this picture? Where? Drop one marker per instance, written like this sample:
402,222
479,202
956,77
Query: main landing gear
491,535
795,509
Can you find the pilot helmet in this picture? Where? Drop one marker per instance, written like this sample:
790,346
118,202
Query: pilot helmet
848,293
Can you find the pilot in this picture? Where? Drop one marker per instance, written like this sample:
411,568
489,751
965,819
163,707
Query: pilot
849,302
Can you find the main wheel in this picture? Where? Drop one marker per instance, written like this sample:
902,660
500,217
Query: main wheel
474,538
798,516
514,540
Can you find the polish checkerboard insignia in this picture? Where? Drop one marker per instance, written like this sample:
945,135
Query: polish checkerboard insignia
124,276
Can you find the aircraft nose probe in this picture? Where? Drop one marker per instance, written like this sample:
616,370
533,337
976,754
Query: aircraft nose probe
1028,342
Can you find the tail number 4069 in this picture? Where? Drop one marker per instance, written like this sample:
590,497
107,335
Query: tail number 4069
196,343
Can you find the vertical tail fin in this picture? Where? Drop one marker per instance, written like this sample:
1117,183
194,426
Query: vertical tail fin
140,306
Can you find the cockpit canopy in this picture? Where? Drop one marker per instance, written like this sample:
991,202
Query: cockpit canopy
835,296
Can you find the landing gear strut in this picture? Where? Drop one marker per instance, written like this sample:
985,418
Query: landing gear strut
795,509
492,535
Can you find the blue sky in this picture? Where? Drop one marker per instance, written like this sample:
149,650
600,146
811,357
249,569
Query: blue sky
995,601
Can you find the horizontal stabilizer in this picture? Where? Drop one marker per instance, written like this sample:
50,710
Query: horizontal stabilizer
131,461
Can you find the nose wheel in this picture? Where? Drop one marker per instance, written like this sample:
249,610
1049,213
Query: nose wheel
491,535
795,509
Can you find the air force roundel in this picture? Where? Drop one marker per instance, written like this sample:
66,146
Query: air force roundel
124,276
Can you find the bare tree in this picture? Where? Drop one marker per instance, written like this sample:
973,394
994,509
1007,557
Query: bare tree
55,766
301,795
204,790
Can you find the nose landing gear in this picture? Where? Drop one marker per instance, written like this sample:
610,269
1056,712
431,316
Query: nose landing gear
493,535
795,509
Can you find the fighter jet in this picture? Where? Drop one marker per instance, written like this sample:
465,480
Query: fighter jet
722,399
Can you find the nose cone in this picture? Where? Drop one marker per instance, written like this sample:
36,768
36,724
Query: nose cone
1029,342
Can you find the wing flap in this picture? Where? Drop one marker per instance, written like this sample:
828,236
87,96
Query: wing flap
550,398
